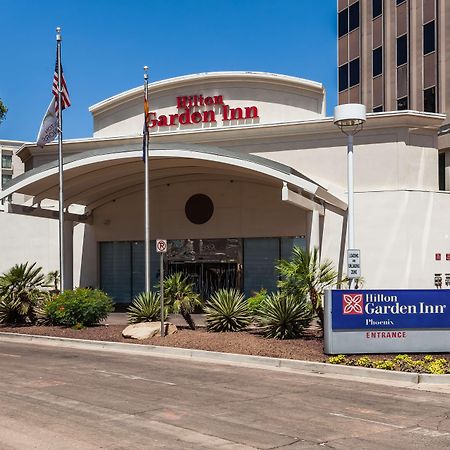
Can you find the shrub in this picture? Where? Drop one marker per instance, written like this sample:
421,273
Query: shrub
227,310
10,311
146,307
284,317
254,303
438,366
364,361
85,307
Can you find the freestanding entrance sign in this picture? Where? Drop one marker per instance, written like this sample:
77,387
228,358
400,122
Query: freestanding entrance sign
387,321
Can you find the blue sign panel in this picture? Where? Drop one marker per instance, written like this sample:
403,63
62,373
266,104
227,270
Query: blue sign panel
390,309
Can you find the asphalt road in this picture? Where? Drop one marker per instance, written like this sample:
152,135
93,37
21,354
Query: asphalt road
53,398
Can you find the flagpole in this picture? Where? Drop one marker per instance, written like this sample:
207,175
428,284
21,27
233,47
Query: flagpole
60,163
147,189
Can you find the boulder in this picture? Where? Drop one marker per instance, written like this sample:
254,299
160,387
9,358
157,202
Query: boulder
145,330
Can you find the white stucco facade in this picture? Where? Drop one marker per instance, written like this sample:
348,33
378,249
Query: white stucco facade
401,219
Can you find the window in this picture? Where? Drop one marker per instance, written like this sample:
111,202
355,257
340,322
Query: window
377,61
5,179
399,2
429,38
354,72
402,50
377,8
402,103
343,77
6,161
429,99
343,22
353,16
441,172
378,108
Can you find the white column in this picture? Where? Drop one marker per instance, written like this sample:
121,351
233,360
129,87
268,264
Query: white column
68,254
313,230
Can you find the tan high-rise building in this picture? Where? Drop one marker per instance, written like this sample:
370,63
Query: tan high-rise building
395,55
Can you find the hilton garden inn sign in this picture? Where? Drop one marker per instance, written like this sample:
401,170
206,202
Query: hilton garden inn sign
373,321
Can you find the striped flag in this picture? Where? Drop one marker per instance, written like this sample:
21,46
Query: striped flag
64,92
145,131
49,126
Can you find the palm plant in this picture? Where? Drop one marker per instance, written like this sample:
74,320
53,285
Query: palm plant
146,307
23,284
284,317
227,310
53,280
180,296
305,274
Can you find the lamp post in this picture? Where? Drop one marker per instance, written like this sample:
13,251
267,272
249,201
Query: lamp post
350,119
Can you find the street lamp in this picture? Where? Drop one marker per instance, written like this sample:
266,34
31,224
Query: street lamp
350,118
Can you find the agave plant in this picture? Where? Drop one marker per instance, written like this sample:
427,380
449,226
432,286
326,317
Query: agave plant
10,311
285,317
180,295
146,307
227,310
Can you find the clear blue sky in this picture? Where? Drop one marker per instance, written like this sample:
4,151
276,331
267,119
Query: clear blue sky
107,43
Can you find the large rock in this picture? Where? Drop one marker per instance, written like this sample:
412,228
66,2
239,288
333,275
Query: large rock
145,330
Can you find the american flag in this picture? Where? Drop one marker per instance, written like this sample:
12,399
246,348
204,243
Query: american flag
64,92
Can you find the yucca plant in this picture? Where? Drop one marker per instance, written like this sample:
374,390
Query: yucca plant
180,296
146,307
227,310
284,317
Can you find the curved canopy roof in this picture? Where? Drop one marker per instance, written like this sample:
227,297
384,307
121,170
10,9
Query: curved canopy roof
96,177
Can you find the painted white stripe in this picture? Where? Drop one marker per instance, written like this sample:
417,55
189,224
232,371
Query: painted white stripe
133,377
366,420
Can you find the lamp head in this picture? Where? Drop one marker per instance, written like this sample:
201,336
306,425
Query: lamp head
350,117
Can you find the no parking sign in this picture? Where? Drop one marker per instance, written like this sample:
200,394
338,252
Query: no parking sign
161,245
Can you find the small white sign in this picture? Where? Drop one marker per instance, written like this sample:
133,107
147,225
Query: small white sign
161,245
353,263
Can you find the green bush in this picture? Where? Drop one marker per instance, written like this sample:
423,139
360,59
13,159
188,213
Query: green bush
227,310
80,307
284,317
146,307
254,303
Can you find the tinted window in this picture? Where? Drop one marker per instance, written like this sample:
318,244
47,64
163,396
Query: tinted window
353,16
377,8
429,99
429,40
343,22
354,72
402,103
343,77
402,50
400,1
442,171
378,108
377,61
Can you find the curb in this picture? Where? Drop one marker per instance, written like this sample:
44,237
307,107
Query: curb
262,362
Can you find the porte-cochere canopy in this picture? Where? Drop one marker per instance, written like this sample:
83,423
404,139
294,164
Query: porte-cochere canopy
96,177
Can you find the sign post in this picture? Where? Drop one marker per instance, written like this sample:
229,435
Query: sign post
161,248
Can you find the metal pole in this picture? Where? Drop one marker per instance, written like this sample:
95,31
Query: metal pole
351,236
161,290
60,163
147,191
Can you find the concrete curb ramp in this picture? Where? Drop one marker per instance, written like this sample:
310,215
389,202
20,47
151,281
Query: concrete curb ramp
261,362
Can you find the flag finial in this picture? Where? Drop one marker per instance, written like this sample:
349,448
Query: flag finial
58,34
145,73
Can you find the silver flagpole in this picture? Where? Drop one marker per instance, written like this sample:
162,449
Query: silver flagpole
60,162
147,190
